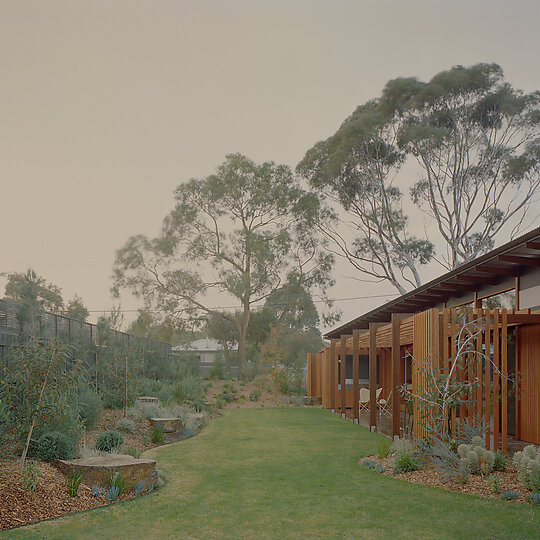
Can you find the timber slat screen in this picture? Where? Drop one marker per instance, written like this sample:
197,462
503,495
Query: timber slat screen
502,369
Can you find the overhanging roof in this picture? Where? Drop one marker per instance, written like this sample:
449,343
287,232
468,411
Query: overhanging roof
510,260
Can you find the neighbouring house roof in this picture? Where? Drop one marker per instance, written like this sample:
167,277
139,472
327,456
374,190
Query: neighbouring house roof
511,259
203,345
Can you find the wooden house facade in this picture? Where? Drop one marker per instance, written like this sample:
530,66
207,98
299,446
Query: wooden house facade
391,348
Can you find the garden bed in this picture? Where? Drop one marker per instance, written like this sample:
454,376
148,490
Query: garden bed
51,498
476,484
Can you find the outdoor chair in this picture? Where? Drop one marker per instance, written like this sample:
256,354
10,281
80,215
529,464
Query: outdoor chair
363,405
385,405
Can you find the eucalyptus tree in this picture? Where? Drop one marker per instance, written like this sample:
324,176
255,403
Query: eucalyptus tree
242,232
475,144
356,170
476,141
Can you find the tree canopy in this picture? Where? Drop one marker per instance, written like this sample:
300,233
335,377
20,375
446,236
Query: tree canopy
36,295
244,232
475,141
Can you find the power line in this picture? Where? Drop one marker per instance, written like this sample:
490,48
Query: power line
236,307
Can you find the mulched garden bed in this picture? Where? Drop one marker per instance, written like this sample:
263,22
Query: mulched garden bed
51,498
139,440
481,485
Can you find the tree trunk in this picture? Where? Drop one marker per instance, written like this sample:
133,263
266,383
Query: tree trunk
242,339
227,358
27,445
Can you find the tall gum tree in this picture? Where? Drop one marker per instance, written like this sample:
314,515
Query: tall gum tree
242,232
476,141
355,172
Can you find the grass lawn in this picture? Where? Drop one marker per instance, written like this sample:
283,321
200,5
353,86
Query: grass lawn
288,473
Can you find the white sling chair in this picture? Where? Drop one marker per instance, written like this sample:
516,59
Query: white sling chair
363,404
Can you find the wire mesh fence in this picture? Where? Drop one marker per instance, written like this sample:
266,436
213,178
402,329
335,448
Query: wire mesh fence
90,341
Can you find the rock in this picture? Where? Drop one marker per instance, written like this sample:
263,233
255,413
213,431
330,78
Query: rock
148,399
169,425
98,469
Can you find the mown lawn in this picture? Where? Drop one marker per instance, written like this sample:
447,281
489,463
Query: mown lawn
288,473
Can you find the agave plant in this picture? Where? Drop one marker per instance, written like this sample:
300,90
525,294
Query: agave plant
138,487
112,494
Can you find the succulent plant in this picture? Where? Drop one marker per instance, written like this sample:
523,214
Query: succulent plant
97,490
138,487
112,494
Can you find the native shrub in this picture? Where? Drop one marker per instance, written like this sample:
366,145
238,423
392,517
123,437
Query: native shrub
138,487
109,441
509,495
383,448
220,403
89,407
500,462
125,425
116,480
406,461
475,457
198,405
156,435
188,388
54,445
439,455
527,462
402,445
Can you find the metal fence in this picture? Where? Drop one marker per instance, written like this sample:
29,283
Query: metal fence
14,328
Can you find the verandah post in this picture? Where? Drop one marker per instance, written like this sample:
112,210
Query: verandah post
504,371
333,383
373,375
356,376
396,379
487,380
343,378
496,367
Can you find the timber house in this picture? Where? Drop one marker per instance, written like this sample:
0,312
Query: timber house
498,292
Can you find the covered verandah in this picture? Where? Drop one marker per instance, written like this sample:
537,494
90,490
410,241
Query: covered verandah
510,410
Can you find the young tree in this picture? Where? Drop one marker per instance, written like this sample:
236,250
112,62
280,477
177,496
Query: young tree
355,170
243,231
477,143
37,381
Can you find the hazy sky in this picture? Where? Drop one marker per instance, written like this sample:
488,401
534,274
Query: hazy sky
106,106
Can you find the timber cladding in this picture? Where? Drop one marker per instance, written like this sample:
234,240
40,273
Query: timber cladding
529,383
425,349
